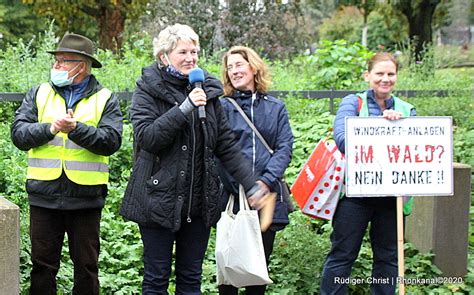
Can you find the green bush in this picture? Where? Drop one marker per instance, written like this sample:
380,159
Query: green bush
298,256
448,55
299,250
334,65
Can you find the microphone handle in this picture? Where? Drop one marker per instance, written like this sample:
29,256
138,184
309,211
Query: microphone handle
201,109
202,112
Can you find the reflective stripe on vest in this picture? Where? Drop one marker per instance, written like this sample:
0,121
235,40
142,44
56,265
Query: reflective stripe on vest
57,141
86,166
72,145
81,166
44,163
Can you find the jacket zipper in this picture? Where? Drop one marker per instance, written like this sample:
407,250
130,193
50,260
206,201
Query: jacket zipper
68,104
188,219
254,96
281,191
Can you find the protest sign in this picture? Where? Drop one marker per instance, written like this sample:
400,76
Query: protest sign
407,157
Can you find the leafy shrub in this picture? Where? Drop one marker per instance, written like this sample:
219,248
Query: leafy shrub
339,64
298,256
449,55
12,186
309,123
23,66
121,73
334,65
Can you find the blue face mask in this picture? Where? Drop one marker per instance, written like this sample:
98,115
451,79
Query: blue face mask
60,78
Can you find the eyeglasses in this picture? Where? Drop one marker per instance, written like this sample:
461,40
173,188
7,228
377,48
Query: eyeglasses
238,66
61,61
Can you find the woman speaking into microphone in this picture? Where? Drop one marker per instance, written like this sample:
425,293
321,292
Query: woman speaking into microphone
173,191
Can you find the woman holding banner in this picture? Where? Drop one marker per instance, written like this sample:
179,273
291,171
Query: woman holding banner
353,215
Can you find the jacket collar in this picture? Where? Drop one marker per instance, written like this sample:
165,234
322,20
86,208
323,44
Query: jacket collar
246,95
389,103
158,83
92,87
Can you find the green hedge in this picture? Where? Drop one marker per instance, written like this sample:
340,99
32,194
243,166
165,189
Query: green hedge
299,251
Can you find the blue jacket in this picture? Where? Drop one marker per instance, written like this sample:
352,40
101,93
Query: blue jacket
350,107
270,117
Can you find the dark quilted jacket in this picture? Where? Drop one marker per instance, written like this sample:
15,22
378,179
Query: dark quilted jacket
174,174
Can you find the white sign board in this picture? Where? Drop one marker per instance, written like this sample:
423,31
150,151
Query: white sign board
407,157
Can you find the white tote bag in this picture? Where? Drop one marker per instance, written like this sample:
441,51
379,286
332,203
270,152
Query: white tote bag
240,257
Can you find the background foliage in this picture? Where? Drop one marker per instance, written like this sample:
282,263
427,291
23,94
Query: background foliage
301,248
275,28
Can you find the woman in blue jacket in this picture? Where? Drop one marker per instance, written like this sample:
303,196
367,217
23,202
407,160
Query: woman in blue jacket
246,80
353,215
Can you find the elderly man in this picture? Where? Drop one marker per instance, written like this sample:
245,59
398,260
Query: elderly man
69,127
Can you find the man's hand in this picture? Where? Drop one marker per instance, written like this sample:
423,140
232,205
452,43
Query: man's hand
65,124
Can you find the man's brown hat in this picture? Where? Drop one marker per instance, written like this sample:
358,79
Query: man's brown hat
75,43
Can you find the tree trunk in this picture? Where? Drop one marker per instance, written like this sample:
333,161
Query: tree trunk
111,20
420,23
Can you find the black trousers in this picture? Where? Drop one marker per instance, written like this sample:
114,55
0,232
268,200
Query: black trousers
47,229
268,238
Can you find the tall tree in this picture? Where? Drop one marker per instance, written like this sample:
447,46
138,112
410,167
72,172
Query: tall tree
109,15
270,28
419,14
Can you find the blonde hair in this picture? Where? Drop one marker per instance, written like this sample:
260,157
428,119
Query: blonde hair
381,56
262,77
168,39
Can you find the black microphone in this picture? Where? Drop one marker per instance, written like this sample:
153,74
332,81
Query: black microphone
196,78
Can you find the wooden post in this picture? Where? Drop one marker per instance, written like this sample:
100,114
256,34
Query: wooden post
400,246
9,247
441,225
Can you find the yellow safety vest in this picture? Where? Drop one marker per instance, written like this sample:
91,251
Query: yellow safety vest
81,166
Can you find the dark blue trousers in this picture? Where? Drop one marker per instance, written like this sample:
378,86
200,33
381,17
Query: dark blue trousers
352,217
191,244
